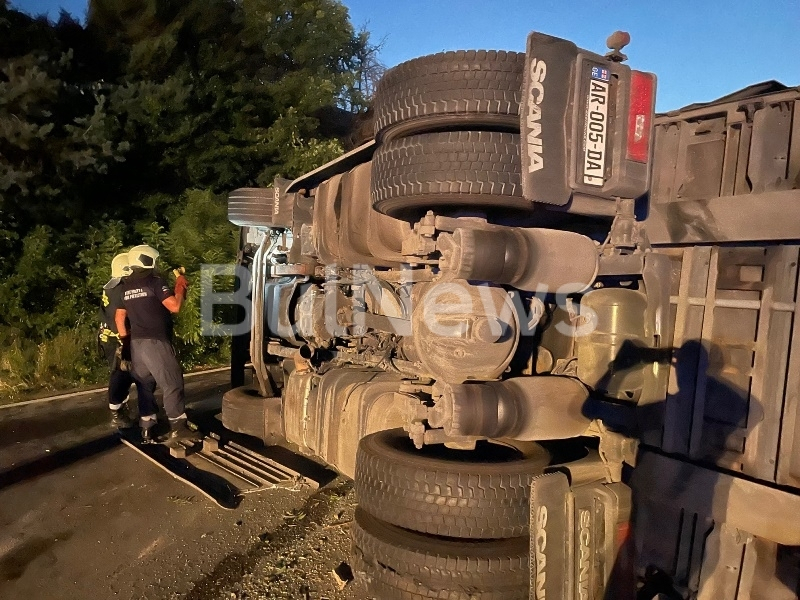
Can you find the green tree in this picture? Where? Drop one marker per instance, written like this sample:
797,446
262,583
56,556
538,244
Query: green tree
56,137
133,129
232,93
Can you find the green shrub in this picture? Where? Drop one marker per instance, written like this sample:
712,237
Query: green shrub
66,360
47,333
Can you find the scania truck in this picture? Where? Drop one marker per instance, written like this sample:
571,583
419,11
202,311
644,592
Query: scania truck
551,335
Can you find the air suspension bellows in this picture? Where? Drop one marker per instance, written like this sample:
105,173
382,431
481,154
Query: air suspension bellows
522,408
529,259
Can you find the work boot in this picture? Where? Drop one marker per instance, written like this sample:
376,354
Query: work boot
147,435
147,427
120,418
181,430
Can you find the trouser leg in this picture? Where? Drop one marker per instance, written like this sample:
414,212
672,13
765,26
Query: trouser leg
158,359
119,382
146,397
119,385
145,385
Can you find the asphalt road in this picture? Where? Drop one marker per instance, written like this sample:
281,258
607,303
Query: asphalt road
83,516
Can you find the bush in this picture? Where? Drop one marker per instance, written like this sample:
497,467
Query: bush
51,312
66,360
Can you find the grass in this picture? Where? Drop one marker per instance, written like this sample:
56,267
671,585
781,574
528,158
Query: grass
68,360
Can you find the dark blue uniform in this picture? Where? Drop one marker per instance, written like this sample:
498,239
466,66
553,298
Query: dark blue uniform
119,381
152,355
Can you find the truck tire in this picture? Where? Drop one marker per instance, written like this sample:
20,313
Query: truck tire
456,169
401,565
469,89
481,494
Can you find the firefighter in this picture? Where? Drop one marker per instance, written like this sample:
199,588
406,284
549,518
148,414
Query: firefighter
147,303
120,378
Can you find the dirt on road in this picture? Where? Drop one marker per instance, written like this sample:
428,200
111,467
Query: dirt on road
82,516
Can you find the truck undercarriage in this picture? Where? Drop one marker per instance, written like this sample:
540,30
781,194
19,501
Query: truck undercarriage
549,334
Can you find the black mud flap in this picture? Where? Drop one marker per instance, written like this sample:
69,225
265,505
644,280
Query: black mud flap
586,126
549,531
546,116
580,547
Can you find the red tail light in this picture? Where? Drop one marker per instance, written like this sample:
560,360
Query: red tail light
640,116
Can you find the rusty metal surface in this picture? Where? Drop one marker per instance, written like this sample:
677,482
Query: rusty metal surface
368,236
472,334
519,408
728,172
327,415
525,258
346,231
733,314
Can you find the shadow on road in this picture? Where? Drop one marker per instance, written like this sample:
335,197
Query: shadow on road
14,563
57,460
50,422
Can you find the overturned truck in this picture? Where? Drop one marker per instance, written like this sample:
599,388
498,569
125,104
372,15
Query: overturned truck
550,335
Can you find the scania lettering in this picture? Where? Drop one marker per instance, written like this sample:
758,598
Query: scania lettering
538,72
585,540
541,557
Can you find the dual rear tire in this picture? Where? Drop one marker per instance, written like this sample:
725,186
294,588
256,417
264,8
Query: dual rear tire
446,170
403,565
440,523
448,131
437,523
467,89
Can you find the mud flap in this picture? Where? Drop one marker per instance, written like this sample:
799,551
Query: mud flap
579,548
586,127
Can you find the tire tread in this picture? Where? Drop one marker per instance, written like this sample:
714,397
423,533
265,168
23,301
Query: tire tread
441,497
408,566
469,83
471,168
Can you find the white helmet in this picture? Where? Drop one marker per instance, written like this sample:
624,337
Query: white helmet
120,266
142,256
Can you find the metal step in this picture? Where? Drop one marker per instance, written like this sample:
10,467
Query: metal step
247,470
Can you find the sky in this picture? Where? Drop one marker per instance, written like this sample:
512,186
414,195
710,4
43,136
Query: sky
700,50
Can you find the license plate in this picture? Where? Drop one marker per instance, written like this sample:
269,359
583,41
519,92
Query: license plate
596,132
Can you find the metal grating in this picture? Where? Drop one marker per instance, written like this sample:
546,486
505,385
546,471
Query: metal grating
246,470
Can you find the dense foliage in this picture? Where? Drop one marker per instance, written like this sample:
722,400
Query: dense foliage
131,129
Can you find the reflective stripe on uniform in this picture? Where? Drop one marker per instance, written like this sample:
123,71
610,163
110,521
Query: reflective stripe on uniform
106,334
